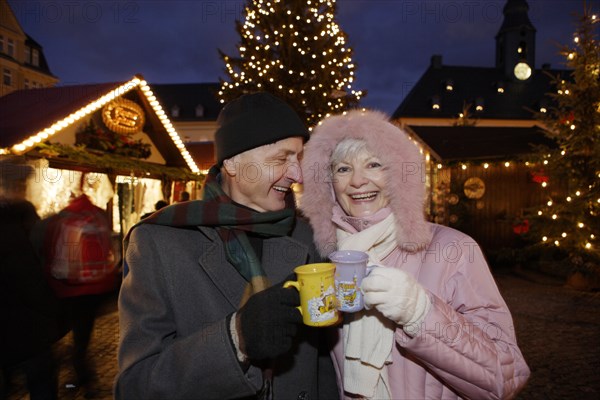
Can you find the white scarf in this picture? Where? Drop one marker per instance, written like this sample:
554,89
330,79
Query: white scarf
369,338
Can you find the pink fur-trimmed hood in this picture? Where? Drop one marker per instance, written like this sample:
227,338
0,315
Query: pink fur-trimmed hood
405,177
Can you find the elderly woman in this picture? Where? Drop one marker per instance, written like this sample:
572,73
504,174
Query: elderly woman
435,324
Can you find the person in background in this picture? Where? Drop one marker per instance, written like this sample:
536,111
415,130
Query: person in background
30,313
435,324
202,310
184,196
80,296
159,204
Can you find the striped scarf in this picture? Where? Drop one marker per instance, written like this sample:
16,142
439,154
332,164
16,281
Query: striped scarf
231,222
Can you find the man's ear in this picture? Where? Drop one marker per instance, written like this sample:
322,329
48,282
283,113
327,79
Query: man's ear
230,166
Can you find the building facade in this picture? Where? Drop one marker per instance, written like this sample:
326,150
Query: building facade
193,108
477,126
22,61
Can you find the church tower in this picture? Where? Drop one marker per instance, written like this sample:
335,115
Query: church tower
515,42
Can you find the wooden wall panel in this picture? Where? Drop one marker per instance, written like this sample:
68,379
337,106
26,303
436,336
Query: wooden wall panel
490,219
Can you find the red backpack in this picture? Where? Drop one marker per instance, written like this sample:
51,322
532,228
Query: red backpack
80,251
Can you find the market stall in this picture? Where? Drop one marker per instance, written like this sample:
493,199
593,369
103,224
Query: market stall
111,141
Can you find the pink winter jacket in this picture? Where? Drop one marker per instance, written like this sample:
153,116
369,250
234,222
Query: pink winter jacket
466,345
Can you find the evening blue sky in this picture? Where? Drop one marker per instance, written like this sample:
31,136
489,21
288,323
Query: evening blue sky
177,41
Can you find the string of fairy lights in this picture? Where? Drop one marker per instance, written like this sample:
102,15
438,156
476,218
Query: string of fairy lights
578,224
573,214
262,37
575,195
588,241
588,205
555,215
97,104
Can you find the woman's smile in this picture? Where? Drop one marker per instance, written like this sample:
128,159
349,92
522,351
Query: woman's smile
358,184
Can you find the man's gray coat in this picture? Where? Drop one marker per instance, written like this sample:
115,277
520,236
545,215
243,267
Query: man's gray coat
173,306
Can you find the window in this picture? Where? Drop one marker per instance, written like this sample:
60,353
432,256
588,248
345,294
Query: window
1,44
7,77
175,111
10,48
435,102
27,55
479,104
500,87
522,50
26,83
35,57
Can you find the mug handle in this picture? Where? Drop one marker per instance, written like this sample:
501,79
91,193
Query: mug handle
370,268
295,285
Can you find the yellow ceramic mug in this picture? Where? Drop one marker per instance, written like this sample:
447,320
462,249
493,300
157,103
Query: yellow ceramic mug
318,303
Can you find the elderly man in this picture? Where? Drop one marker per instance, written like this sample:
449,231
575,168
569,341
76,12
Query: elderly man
203,313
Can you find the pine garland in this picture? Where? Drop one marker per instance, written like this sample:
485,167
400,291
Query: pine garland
113,162
93,136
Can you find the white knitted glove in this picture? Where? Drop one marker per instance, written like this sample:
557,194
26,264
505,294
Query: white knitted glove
396,295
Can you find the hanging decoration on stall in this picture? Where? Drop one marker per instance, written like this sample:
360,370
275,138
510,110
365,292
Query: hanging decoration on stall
453,199
520,226
439,195
474,188
95,137
123,116
539,176
458,205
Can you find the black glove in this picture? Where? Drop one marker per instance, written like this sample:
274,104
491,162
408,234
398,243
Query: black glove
268,322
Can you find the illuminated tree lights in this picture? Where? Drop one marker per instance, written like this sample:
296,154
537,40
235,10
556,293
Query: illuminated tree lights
295,50
570,218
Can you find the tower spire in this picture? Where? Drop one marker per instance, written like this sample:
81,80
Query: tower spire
515,41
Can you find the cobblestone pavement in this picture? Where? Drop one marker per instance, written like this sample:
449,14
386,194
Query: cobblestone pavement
558,330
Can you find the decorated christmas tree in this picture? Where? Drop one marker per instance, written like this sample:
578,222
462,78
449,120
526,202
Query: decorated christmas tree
569,221
295,50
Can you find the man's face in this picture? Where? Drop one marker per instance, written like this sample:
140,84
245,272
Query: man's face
260,178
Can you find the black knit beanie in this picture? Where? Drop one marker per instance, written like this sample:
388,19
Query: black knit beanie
253,120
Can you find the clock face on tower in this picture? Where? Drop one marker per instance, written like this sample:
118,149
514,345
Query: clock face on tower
522,71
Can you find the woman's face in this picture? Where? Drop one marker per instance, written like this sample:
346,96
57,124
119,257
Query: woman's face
358,185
